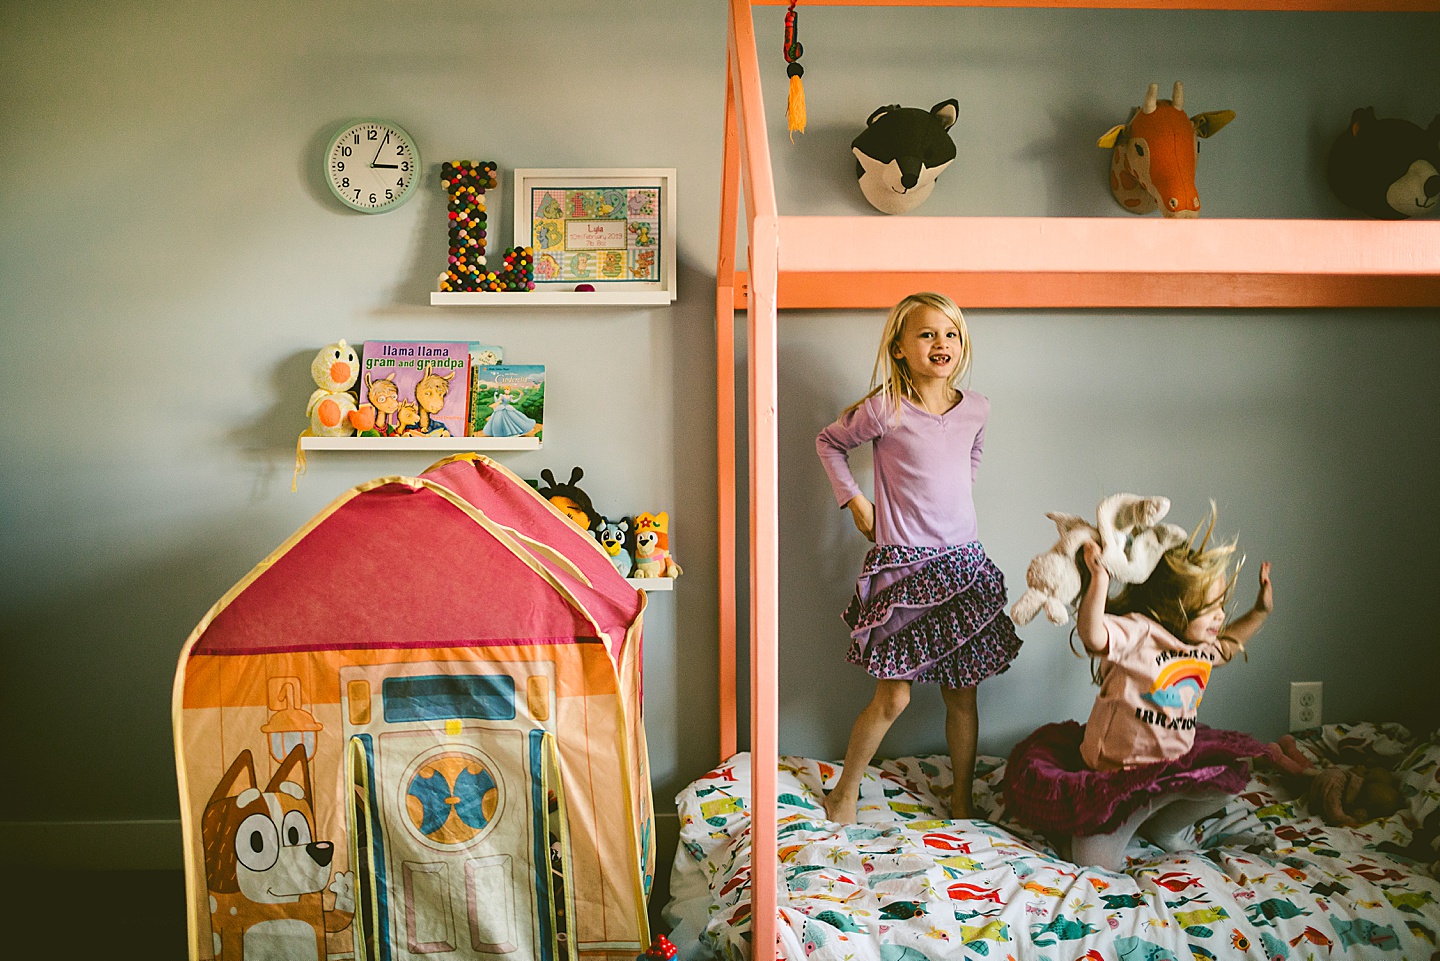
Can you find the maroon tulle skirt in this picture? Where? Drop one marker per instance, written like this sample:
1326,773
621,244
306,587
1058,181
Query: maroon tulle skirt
1048,787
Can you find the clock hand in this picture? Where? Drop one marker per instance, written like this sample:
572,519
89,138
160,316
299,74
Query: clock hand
380,148
387,166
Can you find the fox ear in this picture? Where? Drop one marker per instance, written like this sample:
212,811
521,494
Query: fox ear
243,765
947,111
296,758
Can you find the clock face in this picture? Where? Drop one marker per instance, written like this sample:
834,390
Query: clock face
372,166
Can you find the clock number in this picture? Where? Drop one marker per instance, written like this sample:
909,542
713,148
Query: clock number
357,193
389,195
344,151
372,198
405,166
399,183
344,181
357,138
339,165
372,134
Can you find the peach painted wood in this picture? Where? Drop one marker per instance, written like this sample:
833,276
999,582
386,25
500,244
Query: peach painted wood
1049,289
763,233
1000,262
1359,6
1110,245
725,411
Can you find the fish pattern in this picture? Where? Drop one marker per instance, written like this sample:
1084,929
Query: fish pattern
1266,878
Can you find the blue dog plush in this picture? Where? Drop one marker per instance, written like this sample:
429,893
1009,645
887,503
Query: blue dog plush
612,536
901,152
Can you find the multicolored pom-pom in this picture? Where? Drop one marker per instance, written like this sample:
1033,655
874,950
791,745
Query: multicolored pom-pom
465,183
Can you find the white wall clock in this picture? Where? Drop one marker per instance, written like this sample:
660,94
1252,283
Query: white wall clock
372,166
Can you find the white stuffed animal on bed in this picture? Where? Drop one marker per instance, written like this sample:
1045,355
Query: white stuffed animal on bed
1132,540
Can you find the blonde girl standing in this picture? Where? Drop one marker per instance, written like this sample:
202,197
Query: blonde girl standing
929,604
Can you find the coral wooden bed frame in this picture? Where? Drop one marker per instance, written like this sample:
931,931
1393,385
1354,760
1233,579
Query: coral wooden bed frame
995,262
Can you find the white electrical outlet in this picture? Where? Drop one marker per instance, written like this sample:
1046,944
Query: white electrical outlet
1304,704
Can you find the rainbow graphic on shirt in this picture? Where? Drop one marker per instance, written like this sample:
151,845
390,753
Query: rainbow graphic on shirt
1175,679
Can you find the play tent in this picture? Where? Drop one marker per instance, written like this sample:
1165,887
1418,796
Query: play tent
414,731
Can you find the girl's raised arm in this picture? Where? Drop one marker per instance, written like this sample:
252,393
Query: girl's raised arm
1090,621
1244,627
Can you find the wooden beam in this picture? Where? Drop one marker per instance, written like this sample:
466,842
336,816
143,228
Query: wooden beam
1290,6
1041,290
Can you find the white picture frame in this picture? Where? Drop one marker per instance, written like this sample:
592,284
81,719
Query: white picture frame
595,226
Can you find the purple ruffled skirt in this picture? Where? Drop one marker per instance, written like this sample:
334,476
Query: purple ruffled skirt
932,614
1048,787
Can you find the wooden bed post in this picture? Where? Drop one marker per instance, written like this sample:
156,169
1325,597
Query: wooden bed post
764,263
725,408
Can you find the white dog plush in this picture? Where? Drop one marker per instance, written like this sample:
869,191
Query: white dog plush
1132,540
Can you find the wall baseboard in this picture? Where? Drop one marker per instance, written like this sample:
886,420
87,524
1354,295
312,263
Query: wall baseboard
92,845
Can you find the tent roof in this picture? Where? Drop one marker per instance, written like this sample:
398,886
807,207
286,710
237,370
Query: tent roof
403,561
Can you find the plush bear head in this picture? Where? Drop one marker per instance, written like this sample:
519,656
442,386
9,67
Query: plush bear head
900,153
1387,168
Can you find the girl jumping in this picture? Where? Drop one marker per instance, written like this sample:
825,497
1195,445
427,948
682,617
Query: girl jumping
929,605
1142,763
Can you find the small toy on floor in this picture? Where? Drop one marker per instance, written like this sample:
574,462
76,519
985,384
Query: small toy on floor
1343,797
660,950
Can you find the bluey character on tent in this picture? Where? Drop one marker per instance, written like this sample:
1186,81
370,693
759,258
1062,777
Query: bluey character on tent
265,872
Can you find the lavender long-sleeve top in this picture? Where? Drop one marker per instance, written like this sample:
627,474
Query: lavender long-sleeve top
925,465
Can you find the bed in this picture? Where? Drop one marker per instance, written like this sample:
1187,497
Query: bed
1267,879
855,262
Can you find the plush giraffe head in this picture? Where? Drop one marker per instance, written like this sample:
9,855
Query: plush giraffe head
1153,159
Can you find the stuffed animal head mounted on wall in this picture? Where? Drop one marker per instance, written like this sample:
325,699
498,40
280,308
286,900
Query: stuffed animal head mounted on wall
901,152
1387,168
1152,160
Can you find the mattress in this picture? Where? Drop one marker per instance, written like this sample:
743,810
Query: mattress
1265,879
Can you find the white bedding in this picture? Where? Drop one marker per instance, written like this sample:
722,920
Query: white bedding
1266,880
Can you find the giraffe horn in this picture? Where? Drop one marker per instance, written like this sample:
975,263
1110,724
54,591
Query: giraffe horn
1178,97
1150,95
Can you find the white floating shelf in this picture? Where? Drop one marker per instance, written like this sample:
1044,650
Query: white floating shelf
652,583
420,443
551,298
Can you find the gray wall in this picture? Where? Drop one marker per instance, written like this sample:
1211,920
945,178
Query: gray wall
171,260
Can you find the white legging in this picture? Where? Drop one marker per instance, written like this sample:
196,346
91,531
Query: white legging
1165,820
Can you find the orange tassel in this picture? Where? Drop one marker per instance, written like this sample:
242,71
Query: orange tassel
795,107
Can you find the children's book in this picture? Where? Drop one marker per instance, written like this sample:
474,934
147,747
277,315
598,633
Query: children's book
507,400
415,388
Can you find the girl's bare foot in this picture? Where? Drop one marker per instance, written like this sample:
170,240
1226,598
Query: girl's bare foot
840,807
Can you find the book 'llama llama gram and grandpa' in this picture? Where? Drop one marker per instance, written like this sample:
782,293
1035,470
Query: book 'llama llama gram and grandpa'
507,400
414,388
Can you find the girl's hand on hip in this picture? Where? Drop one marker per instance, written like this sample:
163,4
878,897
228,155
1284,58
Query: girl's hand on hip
864,513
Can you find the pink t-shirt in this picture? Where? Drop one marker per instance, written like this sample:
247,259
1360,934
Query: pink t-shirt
1150,688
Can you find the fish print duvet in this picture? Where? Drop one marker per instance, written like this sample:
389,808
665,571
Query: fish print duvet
1265,880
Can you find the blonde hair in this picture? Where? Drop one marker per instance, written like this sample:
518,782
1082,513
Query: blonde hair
1178,590
895,382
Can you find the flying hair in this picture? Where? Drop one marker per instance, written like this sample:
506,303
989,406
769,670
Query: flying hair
891,376
1175,592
